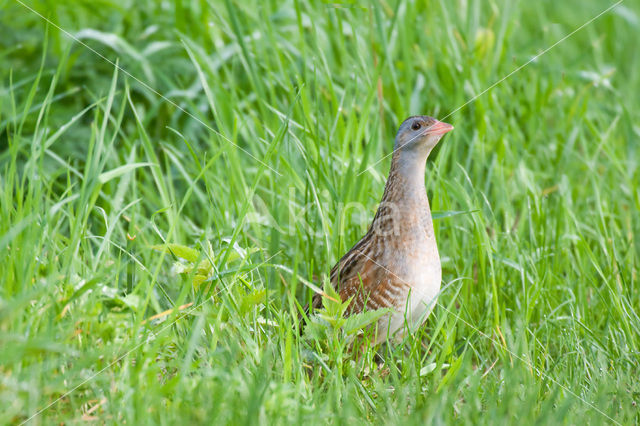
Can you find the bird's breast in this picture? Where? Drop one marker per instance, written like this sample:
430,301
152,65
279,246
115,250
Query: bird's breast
415,264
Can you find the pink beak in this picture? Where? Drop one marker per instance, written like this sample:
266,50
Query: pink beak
439,128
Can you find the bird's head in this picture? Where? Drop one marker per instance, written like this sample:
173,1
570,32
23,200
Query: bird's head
420,133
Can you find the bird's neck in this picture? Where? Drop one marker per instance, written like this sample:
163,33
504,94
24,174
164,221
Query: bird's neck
404,210
405,184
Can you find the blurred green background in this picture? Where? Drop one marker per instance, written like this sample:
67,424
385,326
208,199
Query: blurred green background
226,165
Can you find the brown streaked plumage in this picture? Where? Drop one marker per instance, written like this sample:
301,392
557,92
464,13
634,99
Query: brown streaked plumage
396,264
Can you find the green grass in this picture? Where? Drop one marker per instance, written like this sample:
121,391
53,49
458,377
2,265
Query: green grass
252,158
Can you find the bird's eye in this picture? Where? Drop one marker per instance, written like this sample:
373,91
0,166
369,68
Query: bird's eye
415,126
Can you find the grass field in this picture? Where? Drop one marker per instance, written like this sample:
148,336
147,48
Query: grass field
232,156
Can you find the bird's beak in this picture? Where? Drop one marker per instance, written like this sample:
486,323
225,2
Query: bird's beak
439,128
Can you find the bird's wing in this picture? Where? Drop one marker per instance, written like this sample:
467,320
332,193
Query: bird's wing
356,275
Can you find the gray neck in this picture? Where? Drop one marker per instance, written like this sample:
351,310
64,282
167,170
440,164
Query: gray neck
404,210
406,177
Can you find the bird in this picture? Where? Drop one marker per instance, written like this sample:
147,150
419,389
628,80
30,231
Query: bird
396,264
